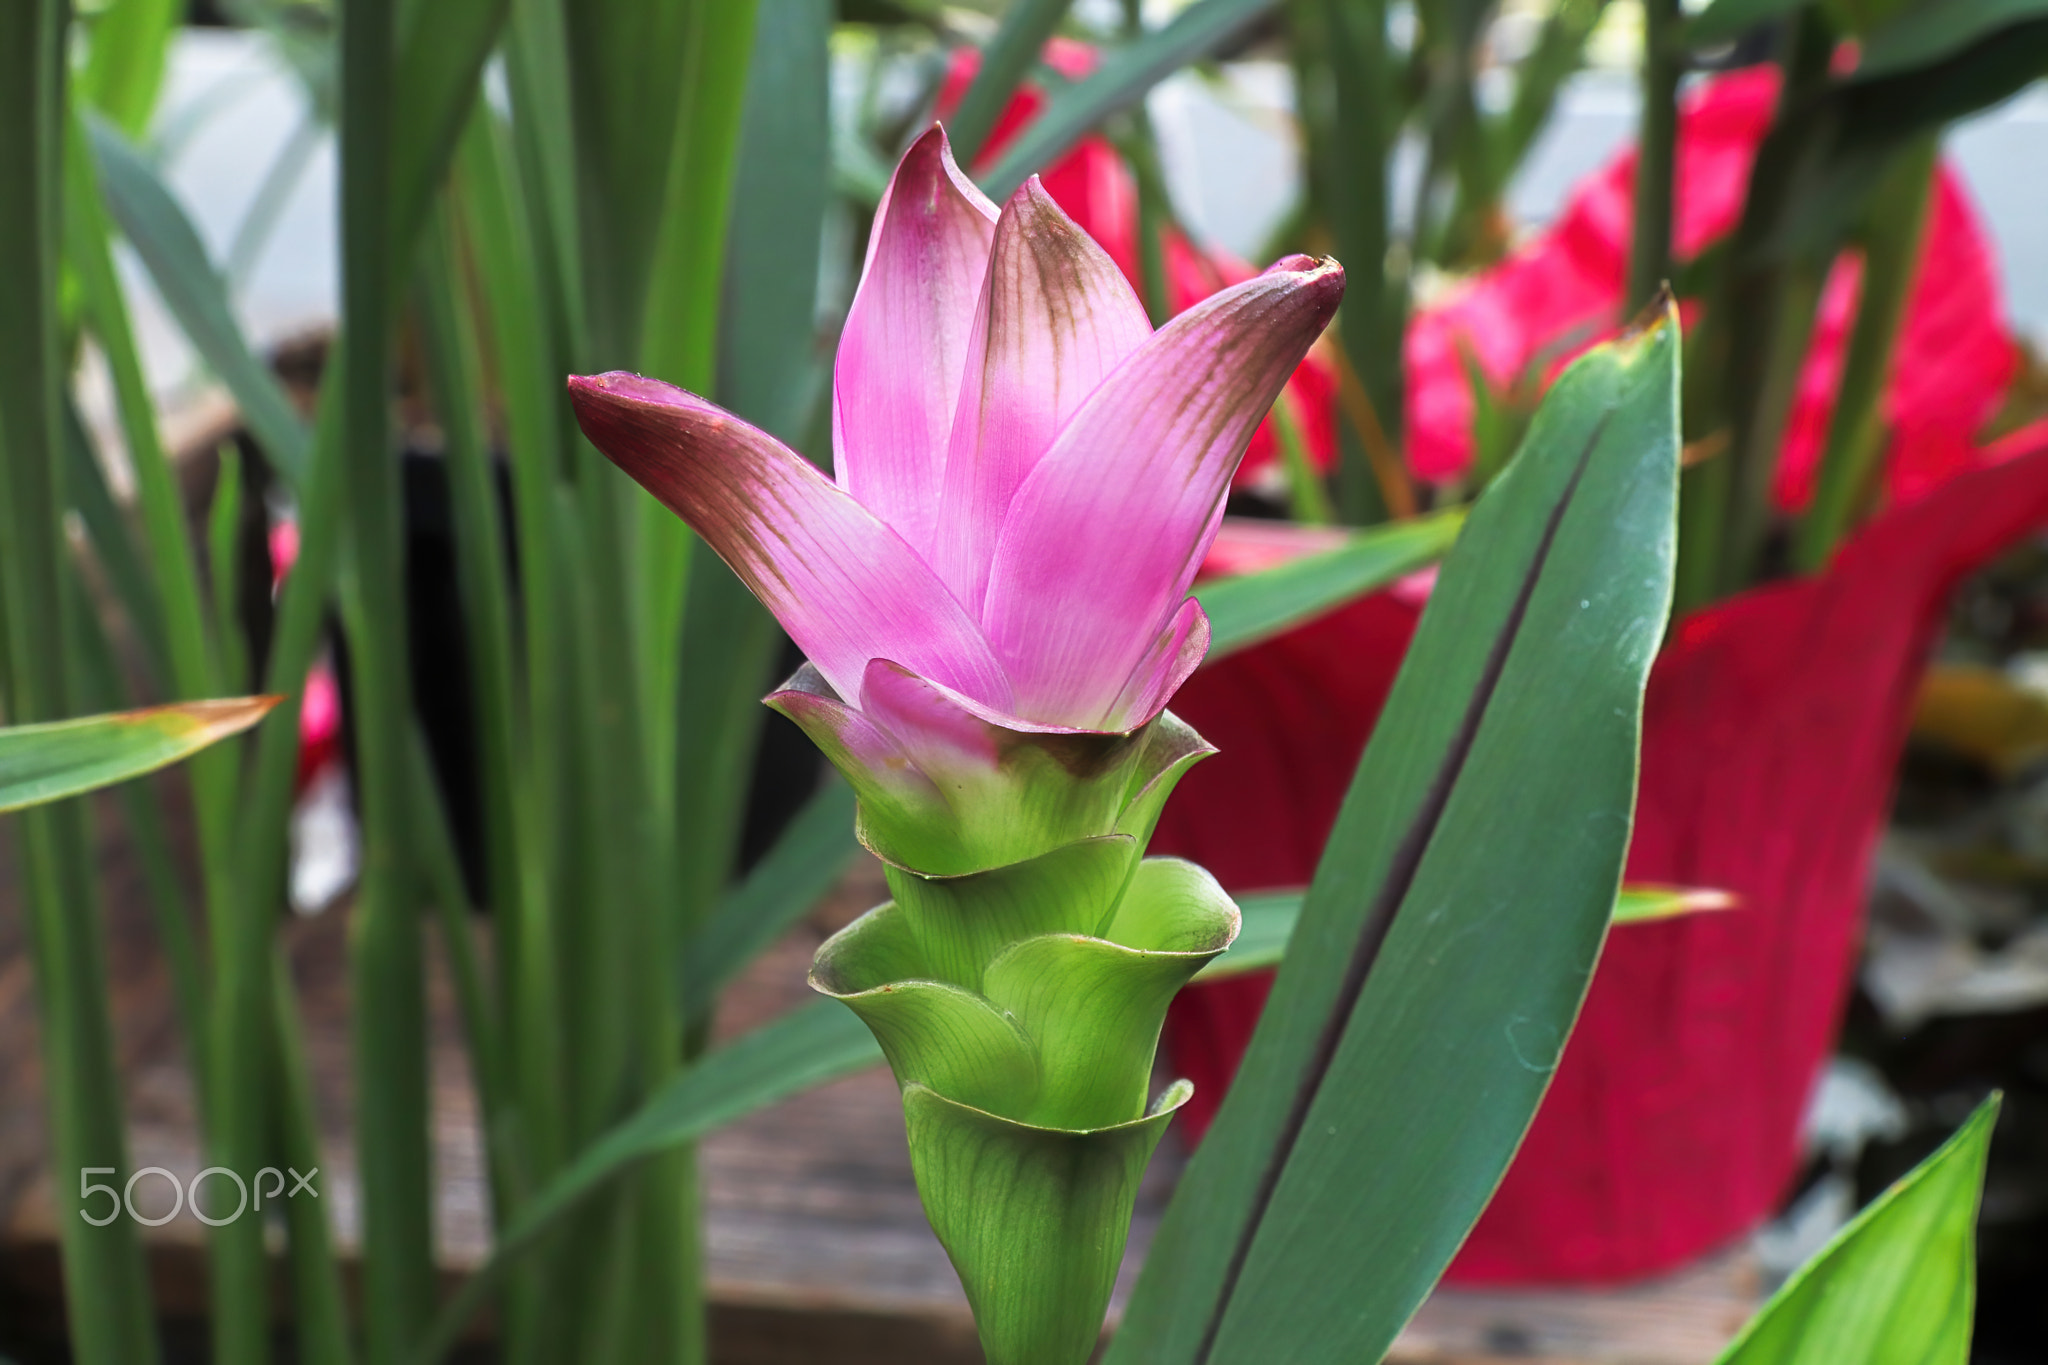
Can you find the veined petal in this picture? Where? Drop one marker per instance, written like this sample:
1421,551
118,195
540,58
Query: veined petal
906,339
1103,539
1177,652
843,584
1055,317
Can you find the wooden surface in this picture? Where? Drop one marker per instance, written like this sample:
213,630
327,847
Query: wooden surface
818,1248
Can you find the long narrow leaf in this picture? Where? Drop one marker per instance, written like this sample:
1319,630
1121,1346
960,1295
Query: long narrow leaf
441,55
820,1042
1446,943
1125,75
1256,606
48,762
1896,1286
1932,30
804,864
193,290
124,66
1026,25
1270,917
106,1288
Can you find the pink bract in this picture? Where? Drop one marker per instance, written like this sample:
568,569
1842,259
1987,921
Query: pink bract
1028,476
1093,185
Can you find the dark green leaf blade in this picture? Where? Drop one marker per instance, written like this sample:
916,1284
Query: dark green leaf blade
820,1042
50,761
177,262
1257,606
1933,30
1726,20
1445,946
1126,73
1897,1285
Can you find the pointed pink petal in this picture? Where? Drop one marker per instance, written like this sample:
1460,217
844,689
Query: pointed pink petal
905,342
1055,317
843,584
1103,539
1177,652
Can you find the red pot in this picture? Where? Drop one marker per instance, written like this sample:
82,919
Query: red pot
1770,733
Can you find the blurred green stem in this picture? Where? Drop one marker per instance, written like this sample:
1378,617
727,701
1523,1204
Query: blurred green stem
1009,55
1893,226
1341,51
387,973
1649,255
106,1290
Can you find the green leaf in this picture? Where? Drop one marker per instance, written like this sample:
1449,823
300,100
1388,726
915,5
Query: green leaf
193,290
804,864
1875,120
124,64
1646,903
628,63
1269,921
1933,30
1726,20
1897,1286
1125,74
818,1043
56,759
1012,52
770,370
1446,943
1257,606
440,57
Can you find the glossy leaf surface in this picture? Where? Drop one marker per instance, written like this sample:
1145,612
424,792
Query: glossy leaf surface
1446,944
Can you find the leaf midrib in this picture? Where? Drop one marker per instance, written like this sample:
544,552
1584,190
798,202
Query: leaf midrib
1379,919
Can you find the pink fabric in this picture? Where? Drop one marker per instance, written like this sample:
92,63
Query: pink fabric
1094,186
1771,729
1562,292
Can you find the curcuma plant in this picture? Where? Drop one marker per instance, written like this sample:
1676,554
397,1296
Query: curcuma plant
994,602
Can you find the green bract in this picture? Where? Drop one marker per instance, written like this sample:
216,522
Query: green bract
970,793
1019,1005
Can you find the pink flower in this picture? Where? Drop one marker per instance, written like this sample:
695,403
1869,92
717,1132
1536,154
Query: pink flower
1092,184
1562,293
1028,477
